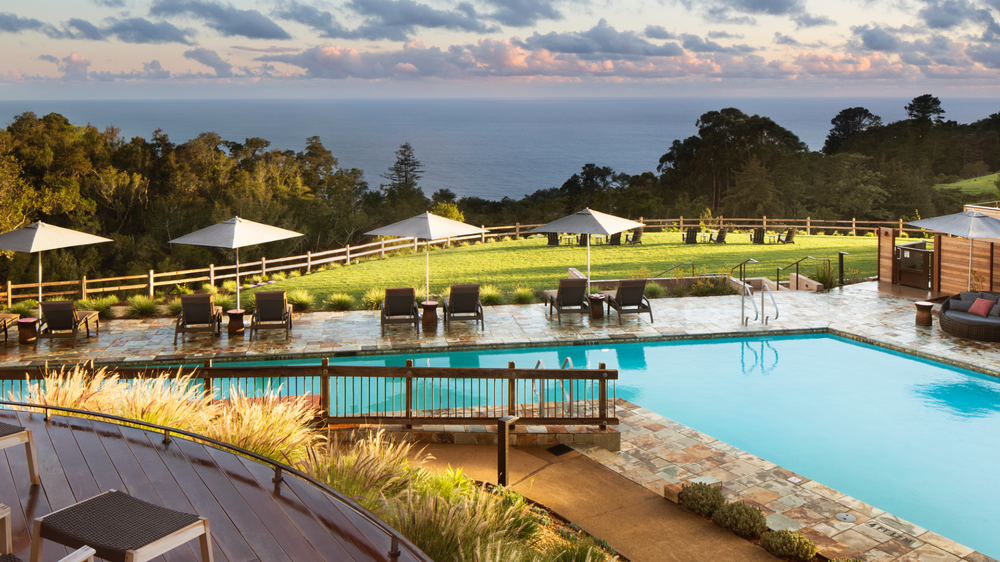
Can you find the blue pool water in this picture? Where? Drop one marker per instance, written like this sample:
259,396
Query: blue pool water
918,439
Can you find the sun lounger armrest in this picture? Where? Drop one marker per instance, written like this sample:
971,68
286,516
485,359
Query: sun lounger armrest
83,554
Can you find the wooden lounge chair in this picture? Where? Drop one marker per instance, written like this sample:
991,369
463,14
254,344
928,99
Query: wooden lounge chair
788,237
400,307
615,239
628,298
581,240
84,554
720,237
198,314
463,304
271,312
636,237
571,297
758,236
553,239
13,435
121,528
8,321
61,320
691,235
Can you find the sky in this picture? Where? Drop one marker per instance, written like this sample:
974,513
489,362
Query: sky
155,49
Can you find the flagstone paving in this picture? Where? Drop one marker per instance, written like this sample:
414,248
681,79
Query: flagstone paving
656,452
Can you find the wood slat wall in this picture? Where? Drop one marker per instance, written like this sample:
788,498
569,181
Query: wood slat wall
886,257
954,265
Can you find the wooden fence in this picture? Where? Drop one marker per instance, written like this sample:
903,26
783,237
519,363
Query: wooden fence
148,282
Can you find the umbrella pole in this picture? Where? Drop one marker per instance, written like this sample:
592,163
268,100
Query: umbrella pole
39,284
427,272
237,279
588,265
970,265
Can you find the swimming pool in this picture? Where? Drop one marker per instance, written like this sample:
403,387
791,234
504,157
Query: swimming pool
918,439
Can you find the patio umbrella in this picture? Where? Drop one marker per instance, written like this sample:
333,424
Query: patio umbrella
427,226
967,224
234,234
589,222
38,237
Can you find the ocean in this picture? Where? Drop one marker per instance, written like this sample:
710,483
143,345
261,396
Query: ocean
489,148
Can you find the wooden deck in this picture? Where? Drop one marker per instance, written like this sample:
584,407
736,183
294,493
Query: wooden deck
250,517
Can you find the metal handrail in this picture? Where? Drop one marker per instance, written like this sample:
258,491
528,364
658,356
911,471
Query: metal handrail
777,273
773,302
743,268
744,319
395,536
660,274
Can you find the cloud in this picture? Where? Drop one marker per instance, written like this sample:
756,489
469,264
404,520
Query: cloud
212,60
11,23
110,3
601,41
224,18
523,13
696,44
85,30
128,30
323,22
267,49
789,41
938,14
723,35
397,20
658,32
808,20
151,70
48,58
742,11
73,67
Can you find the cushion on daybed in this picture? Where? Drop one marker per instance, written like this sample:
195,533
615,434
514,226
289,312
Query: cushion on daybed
995,311
960,305
970,296
972,319
981,307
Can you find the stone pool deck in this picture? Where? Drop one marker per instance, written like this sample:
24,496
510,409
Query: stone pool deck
656,452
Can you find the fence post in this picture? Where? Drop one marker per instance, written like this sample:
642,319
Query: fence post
263,266
208,383
415,247
409,392
603,398
309,262
347,252
682,224
517,230
482,235
83,287
10,295
324,389
808,226
854,226
511,390
720,221
381,249
211,274
764,222
900,225
151,274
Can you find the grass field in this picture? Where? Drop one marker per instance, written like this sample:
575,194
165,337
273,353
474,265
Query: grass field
530,263
985,186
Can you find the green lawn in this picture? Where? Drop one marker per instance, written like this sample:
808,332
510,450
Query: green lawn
983,185
531,263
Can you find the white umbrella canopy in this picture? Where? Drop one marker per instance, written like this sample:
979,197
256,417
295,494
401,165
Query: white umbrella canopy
967,224
589,222
234,234
427,226
39,237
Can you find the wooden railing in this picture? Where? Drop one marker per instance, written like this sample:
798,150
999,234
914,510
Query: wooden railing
399,395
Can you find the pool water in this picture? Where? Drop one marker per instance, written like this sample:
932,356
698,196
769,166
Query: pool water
916,438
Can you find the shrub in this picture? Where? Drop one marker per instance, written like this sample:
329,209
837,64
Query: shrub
229,285
576,549
100,305
701,498
248,302
680,290
787,543
449,484
210,289
523,295
257,278
279,276
745,520
294,274
181,289
25,308
373,297
490,295
174,307
227,302
654,290
338,301
300,299
169,401
825,275
141,306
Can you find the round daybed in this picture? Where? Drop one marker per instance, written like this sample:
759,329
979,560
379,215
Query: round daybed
970,326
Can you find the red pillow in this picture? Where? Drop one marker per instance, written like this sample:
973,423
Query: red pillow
981,307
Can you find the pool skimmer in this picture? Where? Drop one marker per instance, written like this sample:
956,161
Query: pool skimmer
846,517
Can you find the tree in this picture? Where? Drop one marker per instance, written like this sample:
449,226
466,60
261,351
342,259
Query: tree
925,108
445,195
848,123
402,196
852,188
753,193
448,210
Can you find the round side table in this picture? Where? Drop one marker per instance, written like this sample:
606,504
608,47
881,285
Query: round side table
27,330
236,326
429,317
924,313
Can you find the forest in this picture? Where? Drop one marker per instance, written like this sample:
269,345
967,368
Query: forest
142,193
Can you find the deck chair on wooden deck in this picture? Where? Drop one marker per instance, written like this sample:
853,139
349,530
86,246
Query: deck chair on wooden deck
636,237
571,297
463,304
198,314
788,237
400,307
8,321
13,435
691,235
272,311
84,554
60,319
758,236
720,236
628,298
121,528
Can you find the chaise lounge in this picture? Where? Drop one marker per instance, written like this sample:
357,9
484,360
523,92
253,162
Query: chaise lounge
571,297
198,314
961,317
463,304
400,307
60,319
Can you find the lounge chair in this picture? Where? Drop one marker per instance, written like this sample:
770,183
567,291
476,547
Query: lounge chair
13,435
720,237
636,237
272,311
198,314
463,304
400,307
8,321
615,239
121,528
60,319
553,239
691,235
84,554
758,236
581,240
628,298
788,237
571,297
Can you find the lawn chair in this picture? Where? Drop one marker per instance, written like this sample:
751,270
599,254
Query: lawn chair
85,554
571,297
581,240
198,314
272,311
61,320
8,321
615,239
121,528
636,237
13,435
758,236
720,236
691,235
628,298
463,304
788,237
400,307
553,239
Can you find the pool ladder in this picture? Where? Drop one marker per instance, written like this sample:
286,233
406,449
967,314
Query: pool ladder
744,318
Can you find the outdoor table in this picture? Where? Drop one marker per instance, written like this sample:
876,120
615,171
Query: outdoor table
705,236
27,330
596,307
772,238
924,313
429,318
569,238
236,325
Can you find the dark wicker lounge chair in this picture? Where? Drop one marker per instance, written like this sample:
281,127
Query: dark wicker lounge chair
628,298
720,237
571,297
272,311
84,554
758,236
463,304
60,319
121,528
691,235
198,314
965,325
636,237
400,307
788,237
13,435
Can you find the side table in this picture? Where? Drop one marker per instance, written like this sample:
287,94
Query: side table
924,313
27,330
236,326
429,318
596,307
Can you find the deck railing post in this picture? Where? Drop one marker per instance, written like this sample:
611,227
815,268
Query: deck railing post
324,389
150,281
511,390
394,548
504,425
409,392
83,287
602,399
207,382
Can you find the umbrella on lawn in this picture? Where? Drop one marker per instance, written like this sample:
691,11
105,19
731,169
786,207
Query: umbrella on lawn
967,224
589,222
38,237
427,226
234,234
